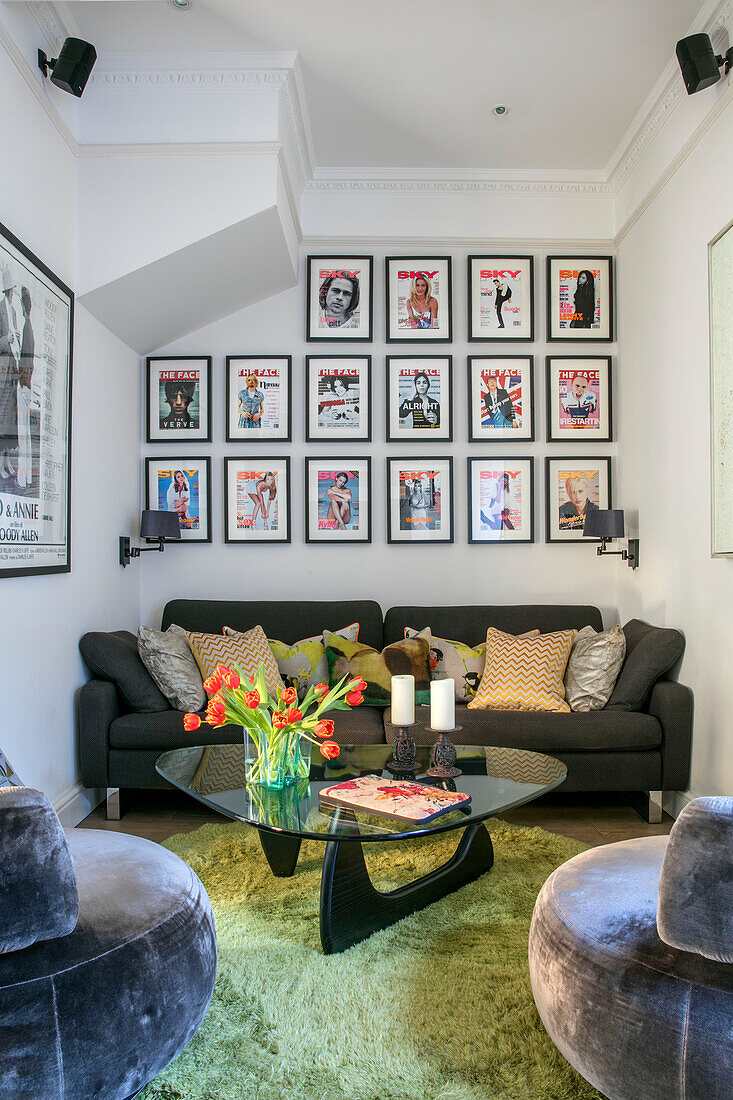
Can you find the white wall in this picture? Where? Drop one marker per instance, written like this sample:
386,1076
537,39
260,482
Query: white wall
390,574
44,617
664,439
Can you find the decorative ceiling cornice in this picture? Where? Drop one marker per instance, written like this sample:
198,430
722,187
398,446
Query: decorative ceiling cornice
425,186
55,23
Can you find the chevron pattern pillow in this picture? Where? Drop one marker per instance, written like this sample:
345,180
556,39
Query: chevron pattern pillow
524,673
248,650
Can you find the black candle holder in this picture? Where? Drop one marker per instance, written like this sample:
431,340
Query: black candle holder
443,756
404,751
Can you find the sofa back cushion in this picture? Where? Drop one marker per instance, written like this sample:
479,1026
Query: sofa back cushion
113,656
287,620
650,652
470,623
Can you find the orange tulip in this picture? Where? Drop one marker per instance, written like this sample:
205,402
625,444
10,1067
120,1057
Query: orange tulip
330,750
290,695
213,685
232,681
216,720
224,671
324,728
216,711
191,722
321,689
358,684
279,721
251,699
293,715
354,698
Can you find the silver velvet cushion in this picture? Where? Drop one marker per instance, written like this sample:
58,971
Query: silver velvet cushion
169,660
593,667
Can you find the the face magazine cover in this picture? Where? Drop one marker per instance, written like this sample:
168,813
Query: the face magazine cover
418,390
578,494
420,500
338,500
500,499
179,491
258,396
501,398
579,298
257,500
179,399
578,398
339,397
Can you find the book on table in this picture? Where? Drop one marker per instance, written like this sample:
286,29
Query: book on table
400,800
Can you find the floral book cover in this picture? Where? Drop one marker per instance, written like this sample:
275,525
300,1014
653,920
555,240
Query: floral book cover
398,799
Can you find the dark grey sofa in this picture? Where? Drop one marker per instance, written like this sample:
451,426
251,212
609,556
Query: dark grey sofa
643,746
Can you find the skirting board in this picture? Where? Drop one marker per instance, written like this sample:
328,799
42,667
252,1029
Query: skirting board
77,803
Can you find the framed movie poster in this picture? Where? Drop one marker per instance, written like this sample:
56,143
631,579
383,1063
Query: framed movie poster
257,499
579,298
338,496
500,500
36,331
181,485
418,299
574,487
419,500
258,398
720,261
579,399
339,297
338,398
501,298
177,398
419,398
500,398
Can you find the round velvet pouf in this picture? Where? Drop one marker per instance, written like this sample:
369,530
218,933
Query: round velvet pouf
97,1014
635,1017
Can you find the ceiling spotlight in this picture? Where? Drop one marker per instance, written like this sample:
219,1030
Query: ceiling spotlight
500,109
182,5
73,66
699,62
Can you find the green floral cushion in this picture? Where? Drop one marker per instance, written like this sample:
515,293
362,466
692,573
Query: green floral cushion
410,657
454,660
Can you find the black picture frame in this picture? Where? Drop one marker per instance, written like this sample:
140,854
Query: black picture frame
422,435
419,264
504,435
180,462
414,465
322,435
264,461
177,436
499,460
24,556
364,334
501,334
582,436
339,462
554,332
574,463
259,436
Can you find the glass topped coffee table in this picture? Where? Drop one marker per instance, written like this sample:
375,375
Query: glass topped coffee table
351,908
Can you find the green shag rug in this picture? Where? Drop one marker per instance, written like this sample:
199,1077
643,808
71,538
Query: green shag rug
437,1007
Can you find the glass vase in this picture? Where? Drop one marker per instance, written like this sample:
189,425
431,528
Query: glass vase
271,759
303,769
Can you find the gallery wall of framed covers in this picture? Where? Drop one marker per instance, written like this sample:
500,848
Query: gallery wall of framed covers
324,443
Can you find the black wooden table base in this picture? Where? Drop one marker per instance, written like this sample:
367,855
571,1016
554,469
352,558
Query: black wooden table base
281,852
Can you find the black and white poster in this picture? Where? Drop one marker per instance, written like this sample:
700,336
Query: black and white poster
36,329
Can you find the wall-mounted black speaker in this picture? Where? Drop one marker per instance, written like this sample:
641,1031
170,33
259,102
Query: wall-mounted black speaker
72,67
699,64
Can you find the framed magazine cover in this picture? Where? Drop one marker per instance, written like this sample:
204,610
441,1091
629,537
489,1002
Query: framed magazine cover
573,487
419,398
36,344
338,500
501,298
580,298
339,297
579,399
500,500
338,398
257,499
500,398
259,398
181,485
419,500
178,398
418,290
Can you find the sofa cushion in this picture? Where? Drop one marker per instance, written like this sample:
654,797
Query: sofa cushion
470,622
303,664
650,652
543,731
167,656
593,667
524,673
408,657
113,656
247,652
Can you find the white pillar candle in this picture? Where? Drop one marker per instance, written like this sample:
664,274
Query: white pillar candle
443,704
403,700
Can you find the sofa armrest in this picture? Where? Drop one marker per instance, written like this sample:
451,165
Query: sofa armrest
696,882
38,894
671,705
99,705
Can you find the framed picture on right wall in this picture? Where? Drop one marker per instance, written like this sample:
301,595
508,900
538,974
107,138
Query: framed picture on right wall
573,487
579,298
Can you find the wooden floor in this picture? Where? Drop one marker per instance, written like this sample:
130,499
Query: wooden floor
592,819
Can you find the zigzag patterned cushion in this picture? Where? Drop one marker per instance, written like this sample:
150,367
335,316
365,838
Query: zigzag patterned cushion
524,673
248,650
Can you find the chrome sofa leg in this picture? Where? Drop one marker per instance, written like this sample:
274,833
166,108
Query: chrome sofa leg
655,807
648,805
114,810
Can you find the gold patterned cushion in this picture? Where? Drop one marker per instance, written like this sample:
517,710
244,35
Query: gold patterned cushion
524,673
248,650
303,664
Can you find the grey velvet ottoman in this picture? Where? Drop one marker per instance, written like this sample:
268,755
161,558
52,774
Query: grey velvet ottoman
93,1008
638,1018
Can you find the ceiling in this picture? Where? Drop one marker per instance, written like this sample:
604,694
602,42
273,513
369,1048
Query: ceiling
411,84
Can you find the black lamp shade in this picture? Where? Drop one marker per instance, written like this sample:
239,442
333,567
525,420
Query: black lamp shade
159,525
604,523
